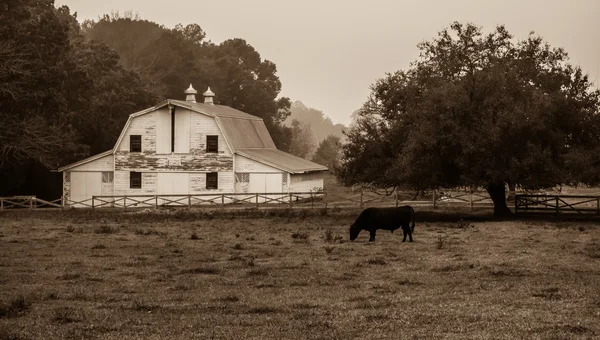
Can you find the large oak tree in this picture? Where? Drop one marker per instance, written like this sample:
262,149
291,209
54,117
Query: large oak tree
478,109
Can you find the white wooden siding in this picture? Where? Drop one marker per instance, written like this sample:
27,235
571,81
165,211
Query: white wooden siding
182,131
101,164
66,186
121,184
163,130
244,164
144,126
202,126
299,185
84,185
169,183
265,183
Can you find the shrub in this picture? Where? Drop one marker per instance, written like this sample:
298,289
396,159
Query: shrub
376,261
299,235
105,229
194,236
14,308
262,310
329,236
237,246
200,270
440,243
66,315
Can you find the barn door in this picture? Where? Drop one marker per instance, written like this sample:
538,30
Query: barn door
170,183
265,183
84,185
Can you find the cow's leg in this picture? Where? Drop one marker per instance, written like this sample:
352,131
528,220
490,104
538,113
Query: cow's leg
372,236
404,231
409,235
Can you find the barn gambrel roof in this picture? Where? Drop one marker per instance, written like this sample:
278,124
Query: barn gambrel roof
245,134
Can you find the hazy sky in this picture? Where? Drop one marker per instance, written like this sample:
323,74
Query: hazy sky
328,52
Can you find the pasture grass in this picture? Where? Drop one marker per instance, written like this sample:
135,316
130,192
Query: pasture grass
294,276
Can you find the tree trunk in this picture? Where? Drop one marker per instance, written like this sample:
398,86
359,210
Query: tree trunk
497,193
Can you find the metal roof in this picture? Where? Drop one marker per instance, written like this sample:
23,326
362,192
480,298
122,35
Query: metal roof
245,133
85,160
213,109
281,160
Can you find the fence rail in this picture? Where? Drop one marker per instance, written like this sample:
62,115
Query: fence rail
557,204
311,199
524,203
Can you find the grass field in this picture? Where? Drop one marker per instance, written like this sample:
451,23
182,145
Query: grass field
293,276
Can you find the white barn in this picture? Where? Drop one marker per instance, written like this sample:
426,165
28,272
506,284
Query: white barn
184,147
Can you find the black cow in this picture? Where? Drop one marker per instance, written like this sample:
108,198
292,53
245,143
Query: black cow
391,219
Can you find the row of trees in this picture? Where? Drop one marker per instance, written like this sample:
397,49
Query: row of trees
478,110
66,88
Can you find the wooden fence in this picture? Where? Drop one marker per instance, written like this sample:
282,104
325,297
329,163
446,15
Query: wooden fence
313,199
557,204
524,203
27,202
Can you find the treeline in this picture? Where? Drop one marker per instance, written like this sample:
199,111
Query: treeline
66,88
314,136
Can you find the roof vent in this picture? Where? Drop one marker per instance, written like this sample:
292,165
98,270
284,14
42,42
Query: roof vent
190,94
208,96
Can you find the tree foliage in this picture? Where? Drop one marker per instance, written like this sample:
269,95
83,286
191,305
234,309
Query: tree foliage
66,89
170,59
478,109
62,98
302,144
328,152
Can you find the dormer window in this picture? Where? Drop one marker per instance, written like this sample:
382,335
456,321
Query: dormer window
212,144
135,143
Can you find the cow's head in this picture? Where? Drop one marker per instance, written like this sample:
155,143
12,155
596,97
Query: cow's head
354,231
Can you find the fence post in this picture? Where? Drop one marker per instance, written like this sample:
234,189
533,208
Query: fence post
93,205
516,204
325,198
257,200
434,198
1,204
124,203
556,205
156,202
471,198
223,201
396,198
189,202
361,198
31,203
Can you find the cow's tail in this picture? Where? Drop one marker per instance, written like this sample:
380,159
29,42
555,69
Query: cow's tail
412,227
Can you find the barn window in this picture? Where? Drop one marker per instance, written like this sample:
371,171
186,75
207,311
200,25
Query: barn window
107,177
212,143
242,177
135,180
284,179
135,143
212,180
67,177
